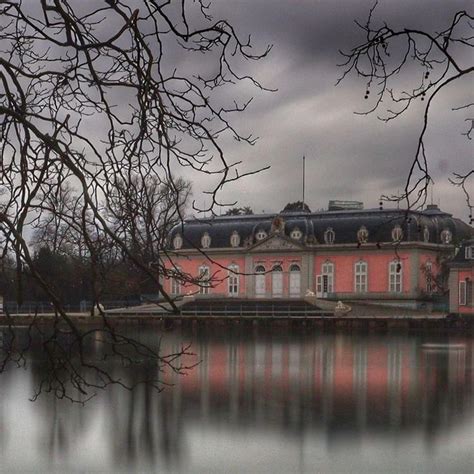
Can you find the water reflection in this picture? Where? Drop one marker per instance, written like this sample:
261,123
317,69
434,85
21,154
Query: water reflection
261,403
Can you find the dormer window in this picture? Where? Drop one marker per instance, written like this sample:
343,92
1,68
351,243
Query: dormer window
260,235
363,235
426,234
446,236
296,234
397,233
329,236
469,252
235,239
177,242
205,241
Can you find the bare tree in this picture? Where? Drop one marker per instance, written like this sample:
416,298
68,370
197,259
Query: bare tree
433,61
98,96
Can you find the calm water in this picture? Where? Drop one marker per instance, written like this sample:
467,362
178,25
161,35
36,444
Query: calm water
259,403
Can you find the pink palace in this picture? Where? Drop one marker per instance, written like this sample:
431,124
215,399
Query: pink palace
390,256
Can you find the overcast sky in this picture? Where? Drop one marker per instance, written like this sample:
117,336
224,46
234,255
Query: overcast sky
347,156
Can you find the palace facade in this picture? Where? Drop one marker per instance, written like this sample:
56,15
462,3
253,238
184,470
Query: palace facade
390,256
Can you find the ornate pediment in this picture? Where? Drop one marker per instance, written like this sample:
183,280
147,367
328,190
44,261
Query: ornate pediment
276,242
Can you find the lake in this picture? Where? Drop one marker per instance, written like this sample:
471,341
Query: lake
259,401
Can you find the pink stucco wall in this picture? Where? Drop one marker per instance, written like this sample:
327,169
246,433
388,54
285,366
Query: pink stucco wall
217,269
377,270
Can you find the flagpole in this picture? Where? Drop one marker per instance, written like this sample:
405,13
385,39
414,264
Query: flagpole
303,178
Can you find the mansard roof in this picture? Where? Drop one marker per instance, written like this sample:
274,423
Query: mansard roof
416,226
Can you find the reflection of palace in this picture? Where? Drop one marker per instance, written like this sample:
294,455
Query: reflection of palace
389,255
299,387
344,383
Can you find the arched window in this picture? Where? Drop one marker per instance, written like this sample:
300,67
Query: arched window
205,241
175,282
295,281
395,274
233,280
261,234
296,234
235,239
397,233
260,290
204,280
446,236
363,235
360,277
329,236
277,281
177,242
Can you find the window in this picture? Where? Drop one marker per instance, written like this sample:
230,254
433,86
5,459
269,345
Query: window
462,293
426,234
395,276
329,236
261,234
446,236
235,239
296,234
205,241
360,277
469,252
429,277
295,280
397,233
363,235
233,280
277,281
175,283
204,280
260,290
177,242
328,277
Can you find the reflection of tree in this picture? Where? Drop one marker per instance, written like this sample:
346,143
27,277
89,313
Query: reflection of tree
346,387
99,97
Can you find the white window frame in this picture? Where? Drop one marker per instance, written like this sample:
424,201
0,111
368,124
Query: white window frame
175,283
446,236
395,279
260,274
397,233
205,240
462,293
329,236
235,239
327,274
277,281
363,235
360,276
177,242
296,234
295,281
233,283
469,252
205,280
260,235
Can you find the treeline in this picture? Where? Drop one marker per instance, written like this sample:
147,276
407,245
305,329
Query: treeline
77,257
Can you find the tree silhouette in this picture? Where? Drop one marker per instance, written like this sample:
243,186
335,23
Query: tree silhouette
98,96
433,61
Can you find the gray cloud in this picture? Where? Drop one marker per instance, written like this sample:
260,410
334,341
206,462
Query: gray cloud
349,156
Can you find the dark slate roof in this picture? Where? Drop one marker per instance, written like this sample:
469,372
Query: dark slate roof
345,224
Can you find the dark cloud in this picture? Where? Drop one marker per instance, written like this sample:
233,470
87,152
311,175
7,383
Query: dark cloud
349,156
